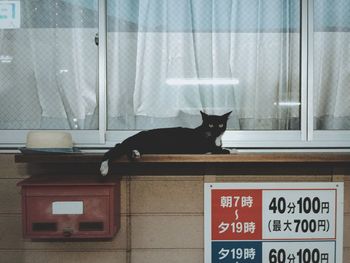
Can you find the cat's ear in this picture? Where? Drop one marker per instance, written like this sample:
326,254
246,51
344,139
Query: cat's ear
226,115
204,115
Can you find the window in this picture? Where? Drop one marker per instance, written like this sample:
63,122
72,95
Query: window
280,66
48,66
167,60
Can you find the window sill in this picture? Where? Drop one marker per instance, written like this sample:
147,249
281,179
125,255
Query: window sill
193,158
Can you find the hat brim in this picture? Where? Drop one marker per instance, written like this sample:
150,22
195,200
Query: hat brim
25,150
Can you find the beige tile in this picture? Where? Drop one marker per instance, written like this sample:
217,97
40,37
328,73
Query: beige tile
274,178
188,177
337,178
347,196
346,255
10,169
13,256
11,238
10,196
124,197
167,255
167,231
167,197
346,231
11,232
72,257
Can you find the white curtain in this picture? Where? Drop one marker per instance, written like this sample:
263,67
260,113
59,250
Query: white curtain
48,67
332,65
253,42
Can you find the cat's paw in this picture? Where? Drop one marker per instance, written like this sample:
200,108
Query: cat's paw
135,154
104,168
219,150
225,151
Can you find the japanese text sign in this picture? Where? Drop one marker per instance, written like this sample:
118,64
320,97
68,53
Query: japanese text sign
273,222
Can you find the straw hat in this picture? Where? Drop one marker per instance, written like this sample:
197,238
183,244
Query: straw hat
48,141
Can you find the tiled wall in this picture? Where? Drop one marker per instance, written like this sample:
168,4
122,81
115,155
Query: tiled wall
162,218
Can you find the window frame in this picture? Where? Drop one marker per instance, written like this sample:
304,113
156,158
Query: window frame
305,138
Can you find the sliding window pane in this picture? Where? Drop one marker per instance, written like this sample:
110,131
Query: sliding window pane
48,64
331,65
167,60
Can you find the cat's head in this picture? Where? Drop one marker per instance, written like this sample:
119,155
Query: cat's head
214,125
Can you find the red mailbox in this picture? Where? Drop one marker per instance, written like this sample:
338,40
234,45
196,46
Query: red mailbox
69,208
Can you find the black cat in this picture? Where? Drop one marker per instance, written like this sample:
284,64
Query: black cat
204,139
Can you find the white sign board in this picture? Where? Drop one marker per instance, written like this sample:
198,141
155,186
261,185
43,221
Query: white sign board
273,222
10,14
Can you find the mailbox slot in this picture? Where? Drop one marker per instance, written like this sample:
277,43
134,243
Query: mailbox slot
91,226
44,227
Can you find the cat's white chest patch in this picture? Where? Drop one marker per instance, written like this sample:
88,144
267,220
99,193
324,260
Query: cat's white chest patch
218,141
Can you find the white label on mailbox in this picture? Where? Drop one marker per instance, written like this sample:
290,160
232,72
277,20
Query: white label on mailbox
67,208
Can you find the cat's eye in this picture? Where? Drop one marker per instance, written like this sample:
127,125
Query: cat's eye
211,125
221,125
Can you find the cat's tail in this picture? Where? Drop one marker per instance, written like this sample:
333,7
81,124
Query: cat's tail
114,153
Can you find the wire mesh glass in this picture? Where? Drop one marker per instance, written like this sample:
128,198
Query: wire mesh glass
48,64
331,74
167,60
